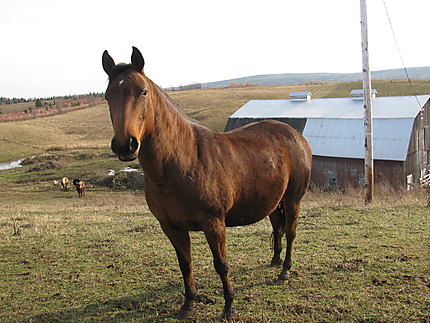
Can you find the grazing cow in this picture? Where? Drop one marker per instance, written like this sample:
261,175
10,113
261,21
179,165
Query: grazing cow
65,183
80,186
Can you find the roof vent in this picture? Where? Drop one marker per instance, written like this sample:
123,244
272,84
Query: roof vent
301,96
358,94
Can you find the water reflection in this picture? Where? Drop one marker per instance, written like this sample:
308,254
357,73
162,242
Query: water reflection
11,165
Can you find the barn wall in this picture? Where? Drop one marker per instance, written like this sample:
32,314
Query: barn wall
418,159
344,172
339,172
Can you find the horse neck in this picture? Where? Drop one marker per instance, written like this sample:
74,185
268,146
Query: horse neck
172,139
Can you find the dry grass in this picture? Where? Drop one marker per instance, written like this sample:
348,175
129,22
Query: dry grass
212,107
87,128
104,258
385,196
17,107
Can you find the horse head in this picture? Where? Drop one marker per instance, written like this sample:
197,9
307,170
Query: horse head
129,97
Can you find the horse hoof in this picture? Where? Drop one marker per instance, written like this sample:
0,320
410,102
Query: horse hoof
184,312
285,277
276,262
282,281
229,314
182,315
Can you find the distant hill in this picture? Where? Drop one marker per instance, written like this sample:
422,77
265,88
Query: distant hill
422,73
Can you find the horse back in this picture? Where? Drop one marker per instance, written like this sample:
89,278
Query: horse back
275,138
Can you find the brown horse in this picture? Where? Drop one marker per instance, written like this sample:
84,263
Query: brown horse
200,180
65,183
80,186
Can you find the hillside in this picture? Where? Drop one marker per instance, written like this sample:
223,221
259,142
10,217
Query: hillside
417,73
80,129
22,109
91,128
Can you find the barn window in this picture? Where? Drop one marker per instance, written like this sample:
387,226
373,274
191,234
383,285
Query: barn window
332,179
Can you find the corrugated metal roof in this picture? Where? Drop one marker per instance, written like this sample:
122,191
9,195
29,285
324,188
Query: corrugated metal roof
335,127
345,138
383,107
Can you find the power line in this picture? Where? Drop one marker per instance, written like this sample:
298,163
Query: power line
400,53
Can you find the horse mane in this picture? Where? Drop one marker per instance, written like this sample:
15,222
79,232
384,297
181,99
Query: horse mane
174,105
177,140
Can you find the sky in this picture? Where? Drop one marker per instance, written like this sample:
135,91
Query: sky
54,47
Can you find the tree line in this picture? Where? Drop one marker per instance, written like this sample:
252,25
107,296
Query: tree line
4,100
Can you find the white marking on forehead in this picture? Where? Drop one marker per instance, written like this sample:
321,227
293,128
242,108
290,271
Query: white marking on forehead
120,82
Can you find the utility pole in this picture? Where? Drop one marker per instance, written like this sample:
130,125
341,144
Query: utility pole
367,96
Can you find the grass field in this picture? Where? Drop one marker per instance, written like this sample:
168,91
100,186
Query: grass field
104,258
17,107
84,129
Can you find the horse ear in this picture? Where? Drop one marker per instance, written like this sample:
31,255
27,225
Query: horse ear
108,63
137,60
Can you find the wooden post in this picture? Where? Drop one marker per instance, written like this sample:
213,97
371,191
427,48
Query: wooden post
368,130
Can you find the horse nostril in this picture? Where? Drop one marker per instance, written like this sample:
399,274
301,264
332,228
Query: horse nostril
115,146
133,144
126,151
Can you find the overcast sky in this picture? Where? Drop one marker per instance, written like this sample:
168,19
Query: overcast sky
54,47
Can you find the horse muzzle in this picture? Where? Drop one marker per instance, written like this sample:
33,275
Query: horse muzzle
126,151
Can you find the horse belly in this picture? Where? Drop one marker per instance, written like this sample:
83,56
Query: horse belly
241,218
249,211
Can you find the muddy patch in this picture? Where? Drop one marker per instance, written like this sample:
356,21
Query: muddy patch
48,165
121,181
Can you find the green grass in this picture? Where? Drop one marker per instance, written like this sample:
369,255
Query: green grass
104,258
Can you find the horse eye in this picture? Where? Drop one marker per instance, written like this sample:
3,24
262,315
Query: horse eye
144,93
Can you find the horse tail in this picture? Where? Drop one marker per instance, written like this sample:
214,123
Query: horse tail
281,215
282,212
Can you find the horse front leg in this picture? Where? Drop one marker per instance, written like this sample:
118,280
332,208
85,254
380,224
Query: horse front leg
180,240
215,235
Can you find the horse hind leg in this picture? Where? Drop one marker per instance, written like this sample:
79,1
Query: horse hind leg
277,219
291,211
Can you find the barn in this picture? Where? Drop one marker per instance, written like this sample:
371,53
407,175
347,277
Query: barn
334,127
